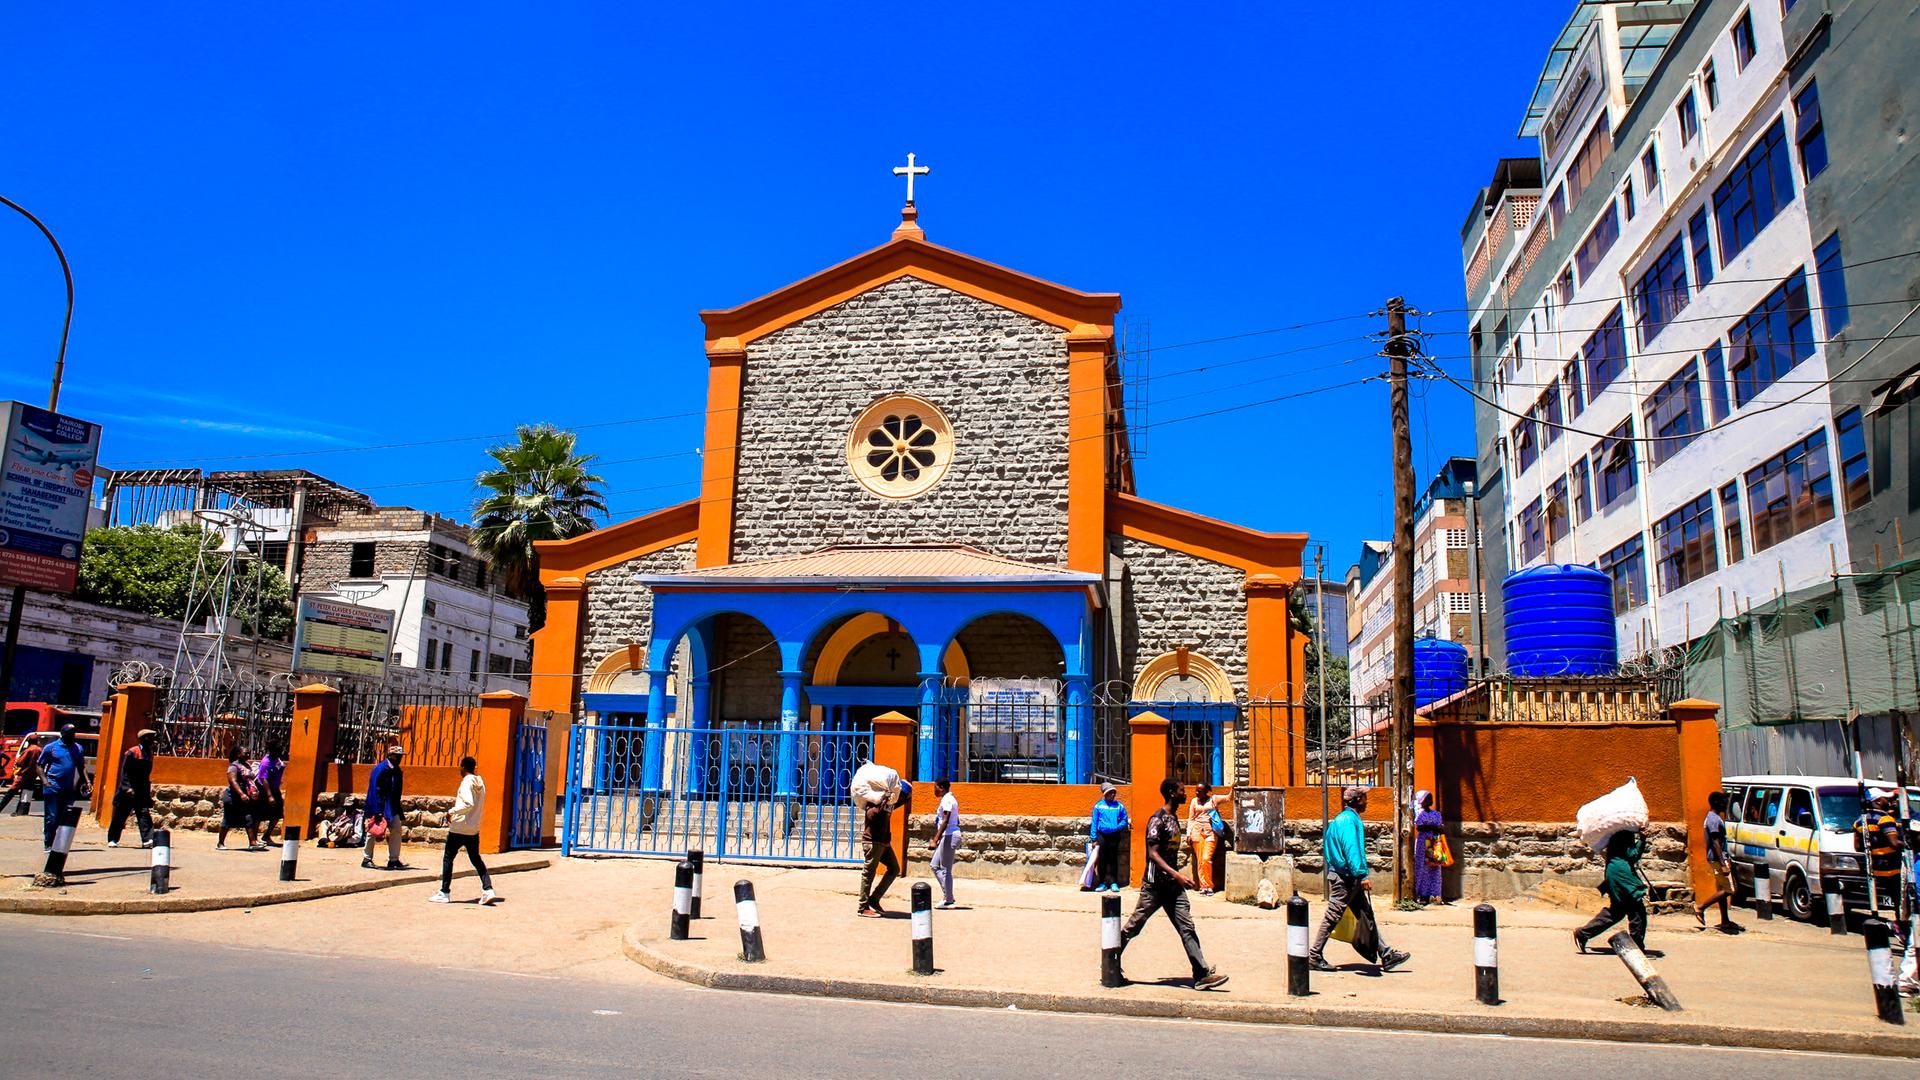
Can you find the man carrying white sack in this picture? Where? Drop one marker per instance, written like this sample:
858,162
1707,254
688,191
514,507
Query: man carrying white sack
876,791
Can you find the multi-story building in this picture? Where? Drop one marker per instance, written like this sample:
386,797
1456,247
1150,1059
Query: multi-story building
1444,588
1329,599
1678,310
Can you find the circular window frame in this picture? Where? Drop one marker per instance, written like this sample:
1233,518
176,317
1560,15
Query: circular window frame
908,449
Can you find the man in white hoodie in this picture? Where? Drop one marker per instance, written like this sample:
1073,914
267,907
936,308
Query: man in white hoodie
463,831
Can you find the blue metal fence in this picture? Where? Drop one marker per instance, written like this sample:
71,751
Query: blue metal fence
529,797
748,791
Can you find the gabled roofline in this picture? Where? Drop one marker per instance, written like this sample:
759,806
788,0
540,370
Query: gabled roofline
630,539
1208,538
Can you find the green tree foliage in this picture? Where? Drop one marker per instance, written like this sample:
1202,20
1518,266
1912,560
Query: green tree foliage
538,489
149,570
1339,694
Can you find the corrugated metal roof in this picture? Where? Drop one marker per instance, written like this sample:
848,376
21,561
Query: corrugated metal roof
888,562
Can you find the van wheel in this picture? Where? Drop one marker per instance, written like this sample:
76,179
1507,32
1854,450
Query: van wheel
1798,897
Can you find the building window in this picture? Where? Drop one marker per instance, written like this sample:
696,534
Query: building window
1570,375
1716,365
1563,287
1531,528
1790,492
1547,411
1613,468
1689,116
1851,440
1743,41
1627,566
428,655
1773,339
901,446
1525,450
1661,292
360,560
274,552
1755,189
1586,162
1730,521
1830,272
1673,415
1599,241
1556,511
446,656
1698,239
1683,545
1557,206
1710,82
1627,206
430,608
1808,133
1582,482
1650,171
473,664
444,561
1605,353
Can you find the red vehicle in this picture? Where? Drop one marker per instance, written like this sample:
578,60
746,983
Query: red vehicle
23,718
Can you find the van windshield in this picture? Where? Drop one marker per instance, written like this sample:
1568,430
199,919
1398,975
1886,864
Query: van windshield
1839,808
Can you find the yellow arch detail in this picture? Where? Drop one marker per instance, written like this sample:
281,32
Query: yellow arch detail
833,655
1167,665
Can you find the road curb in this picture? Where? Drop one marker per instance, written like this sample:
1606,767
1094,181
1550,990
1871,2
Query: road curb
155,905
1885,1044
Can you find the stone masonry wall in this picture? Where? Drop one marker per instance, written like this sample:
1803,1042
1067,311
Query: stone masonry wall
1010,848
1173,599
1000,378
619,609
198,809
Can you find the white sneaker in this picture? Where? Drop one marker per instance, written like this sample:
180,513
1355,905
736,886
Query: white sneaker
113,843
437,898
486,897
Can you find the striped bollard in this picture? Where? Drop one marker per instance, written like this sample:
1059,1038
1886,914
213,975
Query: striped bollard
161,875
1763,893
752,949
1297,971
1886,998
682,900
289,852
699,860
1836,905
1110,941
1486,955
55,872
922,928
1650,981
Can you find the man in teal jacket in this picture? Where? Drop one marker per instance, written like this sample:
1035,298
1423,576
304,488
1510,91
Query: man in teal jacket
1345,848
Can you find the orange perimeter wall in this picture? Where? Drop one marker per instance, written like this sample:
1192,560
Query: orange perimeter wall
1545,772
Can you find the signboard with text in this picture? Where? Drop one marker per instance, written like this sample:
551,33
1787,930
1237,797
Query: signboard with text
335,638
46,484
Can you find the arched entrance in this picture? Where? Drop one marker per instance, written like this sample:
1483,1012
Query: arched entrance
1016,717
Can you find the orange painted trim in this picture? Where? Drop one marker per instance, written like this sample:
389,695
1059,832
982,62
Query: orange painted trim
726,383
910,256
189,772
556,646
747,584
1208,538
1088,450
614,544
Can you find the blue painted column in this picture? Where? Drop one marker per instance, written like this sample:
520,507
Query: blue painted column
931,758
699,752
1219,747
788,781
1078,753
653,757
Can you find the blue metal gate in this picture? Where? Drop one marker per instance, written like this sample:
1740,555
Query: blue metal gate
747,791
529,796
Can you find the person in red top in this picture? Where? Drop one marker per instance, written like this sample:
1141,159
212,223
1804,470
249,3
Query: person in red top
134,793
26,778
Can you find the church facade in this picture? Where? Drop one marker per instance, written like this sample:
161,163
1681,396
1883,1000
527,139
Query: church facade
917,496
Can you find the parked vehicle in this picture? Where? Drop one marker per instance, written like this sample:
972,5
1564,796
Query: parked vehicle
26,717
1798,830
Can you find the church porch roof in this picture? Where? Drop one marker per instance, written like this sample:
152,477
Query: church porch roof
878,564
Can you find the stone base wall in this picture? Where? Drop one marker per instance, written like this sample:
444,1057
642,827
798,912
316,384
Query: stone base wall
198,809
1010,848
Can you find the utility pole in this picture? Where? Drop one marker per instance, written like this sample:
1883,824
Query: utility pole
1397,352
1320,663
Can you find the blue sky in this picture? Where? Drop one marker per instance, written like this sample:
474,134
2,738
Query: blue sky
298,230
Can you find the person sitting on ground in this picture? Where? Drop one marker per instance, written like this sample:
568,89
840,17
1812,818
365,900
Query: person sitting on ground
1625,890
1345,849
385,788
236,801
1713,830
1163,887
463,833
1109,830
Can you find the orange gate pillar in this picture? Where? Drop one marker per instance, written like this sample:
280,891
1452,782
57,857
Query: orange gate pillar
316,719
893,734
500,714
129,710
1148,739
1697,725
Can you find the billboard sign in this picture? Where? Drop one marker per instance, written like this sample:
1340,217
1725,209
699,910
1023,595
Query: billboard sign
46,485
333,638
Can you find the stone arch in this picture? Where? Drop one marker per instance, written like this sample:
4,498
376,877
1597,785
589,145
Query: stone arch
1182,675
844,639
624,671
1011,645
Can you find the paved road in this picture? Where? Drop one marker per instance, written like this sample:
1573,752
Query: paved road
73,1002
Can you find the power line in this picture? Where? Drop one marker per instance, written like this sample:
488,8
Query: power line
1676,322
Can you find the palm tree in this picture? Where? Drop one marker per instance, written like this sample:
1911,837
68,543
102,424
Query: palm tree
538,489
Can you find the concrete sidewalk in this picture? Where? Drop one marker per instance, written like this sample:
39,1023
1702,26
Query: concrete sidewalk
113,881
1781,985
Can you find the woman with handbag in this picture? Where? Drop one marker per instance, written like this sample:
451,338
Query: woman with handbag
1431,855
237,801
1202,838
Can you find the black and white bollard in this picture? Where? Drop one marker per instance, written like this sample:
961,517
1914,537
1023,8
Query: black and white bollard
1297,971
752,950
162,873
1623,945
55,872
1486,955
26,802
1110,939
682,900
922,928
699,860
1762,893
1886,997
289,852
1836,905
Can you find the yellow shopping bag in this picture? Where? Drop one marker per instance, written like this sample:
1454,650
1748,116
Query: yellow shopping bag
1343,930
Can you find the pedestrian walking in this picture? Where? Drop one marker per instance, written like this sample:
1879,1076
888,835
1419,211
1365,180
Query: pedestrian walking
1109,830
463,833
1713,830
1349,889
236,801
877,834
271,805
133,794
1201,838
946,839
1164,888
1625,890
1430,855
63,778
385,788
25,781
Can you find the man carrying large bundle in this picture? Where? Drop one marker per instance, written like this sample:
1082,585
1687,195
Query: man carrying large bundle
876,791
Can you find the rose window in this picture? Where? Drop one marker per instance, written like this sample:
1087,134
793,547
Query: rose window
900,446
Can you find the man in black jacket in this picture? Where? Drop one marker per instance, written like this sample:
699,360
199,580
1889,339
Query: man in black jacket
134,794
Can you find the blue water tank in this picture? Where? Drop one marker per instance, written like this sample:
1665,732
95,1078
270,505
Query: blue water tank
1560,621
1439,670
